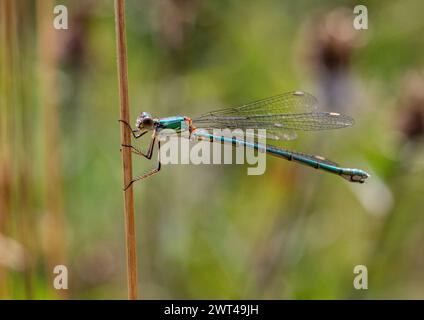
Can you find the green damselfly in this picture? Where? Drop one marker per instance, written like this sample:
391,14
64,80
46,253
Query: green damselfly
281,116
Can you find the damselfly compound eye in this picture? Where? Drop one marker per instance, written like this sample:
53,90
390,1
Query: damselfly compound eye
144,121
147,122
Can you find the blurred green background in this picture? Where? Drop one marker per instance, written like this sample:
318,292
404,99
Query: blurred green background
211,231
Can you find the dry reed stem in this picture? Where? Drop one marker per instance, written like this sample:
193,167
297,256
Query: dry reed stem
5,108
14,210
21,185
130,237
54,229
5,157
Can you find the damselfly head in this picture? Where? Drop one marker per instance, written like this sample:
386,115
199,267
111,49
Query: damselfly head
145,121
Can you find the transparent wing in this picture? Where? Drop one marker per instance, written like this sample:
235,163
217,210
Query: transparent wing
289,102
244,134
281,116
273,134
279,122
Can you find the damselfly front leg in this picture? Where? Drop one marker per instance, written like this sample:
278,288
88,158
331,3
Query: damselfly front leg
133,132
149,173
147,155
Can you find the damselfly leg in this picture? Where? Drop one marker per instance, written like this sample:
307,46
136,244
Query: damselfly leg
149,173
147,155
136,151
133,132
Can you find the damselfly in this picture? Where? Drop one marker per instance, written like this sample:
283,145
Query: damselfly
281,116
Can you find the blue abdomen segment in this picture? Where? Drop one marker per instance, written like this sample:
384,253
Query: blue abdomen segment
353,175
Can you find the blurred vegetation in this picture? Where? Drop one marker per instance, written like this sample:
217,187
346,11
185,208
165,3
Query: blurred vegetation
211,232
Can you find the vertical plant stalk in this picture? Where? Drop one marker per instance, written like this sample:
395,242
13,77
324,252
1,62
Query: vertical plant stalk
130,237
5,148
20,187
53,228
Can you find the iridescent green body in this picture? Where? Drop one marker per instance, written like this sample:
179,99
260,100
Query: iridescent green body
176,123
